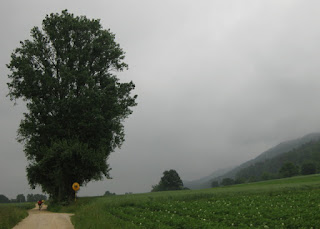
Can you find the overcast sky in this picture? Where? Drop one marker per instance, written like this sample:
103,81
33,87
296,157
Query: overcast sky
218,82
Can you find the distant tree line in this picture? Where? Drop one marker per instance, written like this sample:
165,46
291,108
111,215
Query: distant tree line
108,193
304,160
21,198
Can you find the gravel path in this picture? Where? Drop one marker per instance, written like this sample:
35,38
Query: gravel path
44,219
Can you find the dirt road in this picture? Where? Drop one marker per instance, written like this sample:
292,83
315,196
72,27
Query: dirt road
44,219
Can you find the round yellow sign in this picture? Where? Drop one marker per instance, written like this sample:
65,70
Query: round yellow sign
75,186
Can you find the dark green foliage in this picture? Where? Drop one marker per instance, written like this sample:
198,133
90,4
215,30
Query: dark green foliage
306,153
268,176
169,181
214,184
248,170
4,199
35,197
259,171
156,188
289,169
239,180
107,193
227,181
308,168
268,155
21,198
76,105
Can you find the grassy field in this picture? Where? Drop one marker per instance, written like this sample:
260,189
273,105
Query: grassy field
11,214
284,203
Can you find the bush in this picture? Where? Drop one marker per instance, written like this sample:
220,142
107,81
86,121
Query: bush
308,168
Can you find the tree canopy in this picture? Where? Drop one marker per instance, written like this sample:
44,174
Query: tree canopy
169,181
227,181
308,168
306,159
4,199
21,198
36,197
76,104
289,169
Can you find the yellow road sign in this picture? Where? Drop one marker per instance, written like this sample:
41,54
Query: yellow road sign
75,186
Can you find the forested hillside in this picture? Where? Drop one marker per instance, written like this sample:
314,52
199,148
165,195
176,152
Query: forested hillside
306,154
273,152
205,181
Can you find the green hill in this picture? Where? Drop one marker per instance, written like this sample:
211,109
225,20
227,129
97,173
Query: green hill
267,155
269,168
199,184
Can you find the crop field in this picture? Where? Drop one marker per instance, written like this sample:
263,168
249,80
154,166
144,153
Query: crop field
285,203
291,209
11,214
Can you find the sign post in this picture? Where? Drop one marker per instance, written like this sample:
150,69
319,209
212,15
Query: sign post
75,187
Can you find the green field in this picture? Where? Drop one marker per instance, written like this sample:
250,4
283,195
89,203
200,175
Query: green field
11,214
284,203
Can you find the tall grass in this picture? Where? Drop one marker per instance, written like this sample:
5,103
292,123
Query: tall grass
11,214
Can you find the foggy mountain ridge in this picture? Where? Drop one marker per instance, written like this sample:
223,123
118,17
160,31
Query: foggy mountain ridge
269,169
275,151
207,179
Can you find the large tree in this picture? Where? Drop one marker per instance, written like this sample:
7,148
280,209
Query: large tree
76,104
169,181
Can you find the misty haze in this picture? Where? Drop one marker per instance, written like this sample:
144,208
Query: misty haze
227,94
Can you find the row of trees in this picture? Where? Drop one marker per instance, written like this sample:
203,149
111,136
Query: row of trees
288,169
21,198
